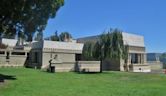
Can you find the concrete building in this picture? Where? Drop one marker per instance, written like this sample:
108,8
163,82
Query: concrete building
38,54
65,53
136,61
13,55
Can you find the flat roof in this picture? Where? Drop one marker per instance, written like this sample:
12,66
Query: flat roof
63,45
133,40
9,42
128,39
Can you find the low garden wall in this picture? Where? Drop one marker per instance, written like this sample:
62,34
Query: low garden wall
88,66
141,68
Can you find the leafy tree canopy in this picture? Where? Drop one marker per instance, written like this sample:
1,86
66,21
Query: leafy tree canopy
27,16
109,46
53,37
88,50
65,36
163,58
163,55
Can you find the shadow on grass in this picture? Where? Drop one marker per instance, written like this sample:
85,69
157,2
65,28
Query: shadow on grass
6,77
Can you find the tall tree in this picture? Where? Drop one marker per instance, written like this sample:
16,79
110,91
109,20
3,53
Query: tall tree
65,36
117,47
21,38
111,46
97,51
53,37
39,36
163,58
28,16
88,51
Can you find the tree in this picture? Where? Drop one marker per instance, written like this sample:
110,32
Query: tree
111,45
55,37
163,58
117,47
97,51
163,55
39,36
28,16
21,38
87,53
65,36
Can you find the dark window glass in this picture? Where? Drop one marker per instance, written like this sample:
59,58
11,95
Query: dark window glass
134,58
2,52
7,55
36,57
78,57
18,53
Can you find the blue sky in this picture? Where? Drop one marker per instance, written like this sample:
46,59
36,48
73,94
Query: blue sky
91,17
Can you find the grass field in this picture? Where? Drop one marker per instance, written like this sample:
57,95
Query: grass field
30,82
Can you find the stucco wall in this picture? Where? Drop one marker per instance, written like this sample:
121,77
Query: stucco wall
141,68
65,67
13,60
61,57
80,66
88,66
155,65
18,60
2,59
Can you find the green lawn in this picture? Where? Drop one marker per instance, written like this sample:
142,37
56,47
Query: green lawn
30,82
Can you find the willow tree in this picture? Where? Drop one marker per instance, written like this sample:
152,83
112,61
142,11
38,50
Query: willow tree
87,53
110,46
27,16
97,51
117,46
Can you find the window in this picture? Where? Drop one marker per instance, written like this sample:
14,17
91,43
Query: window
7,55
2,52
36,57
134,58
78,57
18,53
